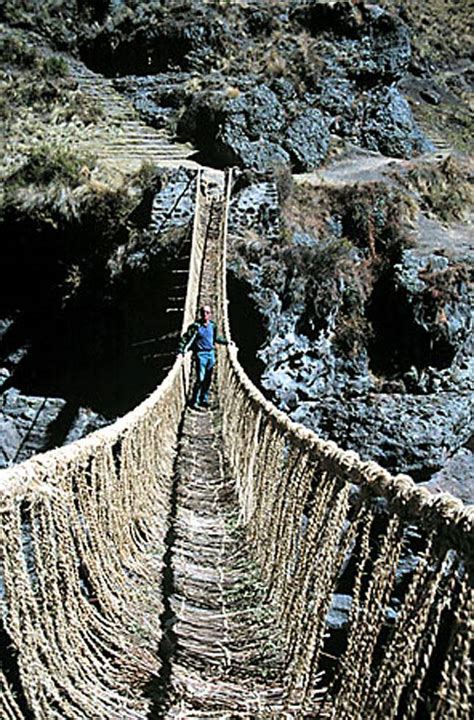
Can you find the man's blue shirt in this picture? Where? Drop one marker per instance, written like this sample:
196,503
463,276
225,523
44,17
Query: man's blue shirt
205,338
201,338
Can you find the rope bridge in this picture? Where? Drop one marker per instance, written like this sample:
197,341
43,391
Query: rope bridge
265,523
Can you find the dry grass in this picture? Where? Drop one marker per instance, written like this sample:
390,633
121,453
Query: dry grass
53,132
442,43
444,189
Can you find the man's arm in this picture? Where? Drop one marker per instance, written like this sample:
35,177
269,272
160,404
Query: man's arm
218,339
187,338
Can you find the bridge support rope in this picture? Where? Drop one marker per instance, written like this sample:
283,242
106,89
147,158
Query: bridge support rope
323,524
82,533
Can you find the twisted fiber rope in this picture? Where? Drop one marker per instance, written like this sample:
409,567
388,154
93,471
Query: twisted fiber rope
82,536
367,615
414,690
8,705
454,697
87,522
92,508
295,492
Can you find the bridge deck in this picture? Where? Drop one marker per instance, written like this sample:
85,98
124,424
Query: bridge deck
224,644
226,656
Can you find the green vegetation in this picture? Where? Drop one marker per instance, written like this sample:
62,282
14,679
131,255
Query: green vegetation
335,244
29,78
55,186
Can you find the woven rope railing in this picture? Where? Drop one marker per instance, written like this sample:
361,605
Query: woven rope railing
82,540
320,521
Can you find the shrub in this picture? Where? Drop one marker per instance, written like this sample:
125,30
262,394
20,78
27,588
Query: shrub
48,164
15,51
55,66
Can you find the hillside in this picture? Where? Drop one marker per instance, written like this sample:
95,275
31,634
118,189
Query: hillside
351,127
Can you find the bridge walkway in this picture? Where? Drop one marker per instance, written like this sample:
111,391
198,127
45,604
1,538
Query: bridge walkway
228,657
227,651
89,599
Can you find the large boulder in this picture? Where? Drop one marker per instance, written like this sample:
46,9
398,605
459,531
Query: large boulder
233,147
337,97
387,124
242,128
307,140
261,108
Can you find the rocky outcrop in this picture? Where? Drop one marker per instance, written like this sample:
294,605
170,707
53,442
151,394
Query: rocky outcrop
403,432
456,476
373,353
307,140
332,68
31,425
24,424
252,129
374,45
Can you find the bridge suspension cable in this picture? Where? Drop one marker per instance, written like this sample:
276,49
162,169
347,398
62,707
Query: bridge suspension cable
82,532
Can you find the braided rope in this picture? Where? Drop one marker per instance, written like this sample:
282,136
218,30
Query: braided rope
82,536
9,707
82,533
307,507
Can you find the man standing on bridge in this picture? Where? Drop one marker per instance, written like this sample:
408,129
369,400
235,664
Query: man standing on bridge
201,337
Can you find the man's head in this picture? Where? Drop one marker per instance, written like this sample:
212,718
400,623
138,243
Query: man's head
205,313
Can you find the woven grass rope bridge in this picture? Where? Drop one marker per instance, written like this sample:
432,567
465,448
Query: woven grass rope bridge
180,564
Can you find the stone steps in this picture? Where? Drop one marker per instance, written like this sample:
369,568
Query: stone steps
257,207
134,141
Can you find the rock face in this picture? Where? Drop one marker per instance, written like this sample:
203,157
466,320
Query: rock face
252,130
54,369
399,387
318,69
31,425
403,432
387,124
24,425
456,476
307,140
374,46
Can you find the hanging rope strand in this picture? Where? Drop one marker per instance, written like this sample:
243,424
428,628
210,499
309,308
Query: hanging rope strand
83,528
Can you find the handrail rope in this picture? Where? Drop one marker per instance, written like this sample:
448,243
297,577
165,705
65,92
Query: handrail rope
96,506
29,473
314,536
441,511
175,204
